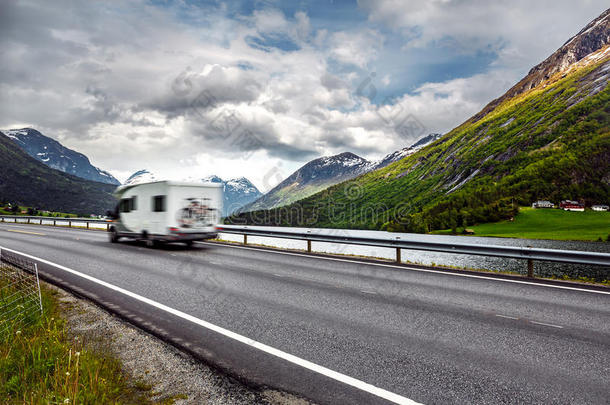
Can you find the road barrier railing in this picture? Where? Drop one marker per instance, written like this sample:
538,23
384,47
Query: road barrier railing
55,220
399,242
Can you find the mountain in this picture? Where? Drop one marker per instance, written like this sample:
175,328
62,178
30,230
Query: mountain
404,152
141,176
26,181
314,176
56,156
590,39
237,192
324,172
550,141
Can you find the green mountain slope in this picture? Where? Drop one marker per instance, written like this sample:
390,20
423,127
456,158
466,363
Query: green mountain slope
25,181
551,142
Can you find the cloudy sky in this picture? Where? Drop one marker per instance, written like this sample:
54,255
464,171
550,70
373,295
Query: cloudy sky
256,89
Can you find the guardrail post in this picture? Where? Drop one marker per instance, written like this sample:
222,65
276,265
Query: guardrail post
308,246
398,258
40,221
530,268
28,220
107,227
245,239
69,224
54,222
87,225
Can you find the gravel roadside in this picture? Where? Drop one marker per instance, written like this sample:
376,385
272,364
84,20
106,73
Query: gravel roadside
172,374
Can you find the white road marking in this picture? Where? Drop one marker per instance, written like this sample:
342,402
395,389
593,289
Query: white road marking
368,292
547,324
507,317
446,273
351,381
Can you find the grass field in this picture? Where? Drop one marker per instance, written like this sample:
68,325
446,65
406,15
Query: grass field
41,363
548,224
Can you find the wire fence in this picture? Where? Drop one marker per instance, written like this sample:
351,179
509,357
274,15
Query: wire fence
20,299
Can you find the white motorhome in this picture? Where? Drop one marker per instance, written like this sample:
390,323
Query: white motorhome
167,211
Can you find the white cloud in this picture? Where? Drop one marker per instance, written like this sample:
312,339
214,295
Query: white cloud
125,82
524,32
357,47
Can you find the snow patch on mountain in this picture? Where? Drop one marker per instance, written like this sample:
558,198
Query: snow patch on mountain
139,177
56,156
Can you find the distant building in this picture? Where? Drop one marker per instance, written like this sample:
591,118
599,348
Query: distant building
600,207
543,204
569,205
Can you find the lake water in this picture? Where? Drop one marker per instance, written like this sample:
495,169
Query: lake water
545,269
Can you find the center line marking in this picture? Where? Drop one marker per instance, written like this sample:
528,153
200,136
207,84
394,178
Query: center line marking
506,316
29,233
547,324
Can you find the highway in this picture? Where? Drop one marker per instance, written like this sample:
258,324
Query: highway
391,334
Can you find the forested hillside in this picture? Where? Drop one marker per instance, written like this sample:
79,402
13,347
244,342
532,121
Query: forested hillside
552,142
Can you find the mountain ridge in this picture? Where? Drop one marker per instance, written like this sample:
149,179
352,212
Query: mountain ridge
323,172
594,36
27,181
55,155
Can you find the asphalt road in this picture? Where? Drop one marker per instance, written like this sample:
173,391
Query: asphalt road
427,336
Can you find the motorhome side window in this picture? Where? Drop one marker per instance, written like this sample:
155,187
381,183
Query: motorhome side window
127,204
159,203
134,203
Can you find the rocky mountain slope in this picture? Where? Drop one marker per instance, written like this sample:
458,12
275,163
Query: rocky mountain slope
324,172
56,156
314,176
403,153
28,182
590,39
237,192
141,176
551,142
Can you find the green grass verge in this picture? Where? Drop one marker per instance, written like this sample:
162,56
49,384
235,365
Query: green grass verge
41,363
548,224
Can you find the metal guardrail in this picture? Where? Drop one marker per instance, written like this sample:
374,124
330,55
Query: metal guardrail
55,220
512,252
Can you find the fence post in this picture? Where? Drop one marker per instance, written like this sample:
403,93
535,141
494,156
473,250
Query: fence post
530,268
398,258
245,239
308,246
